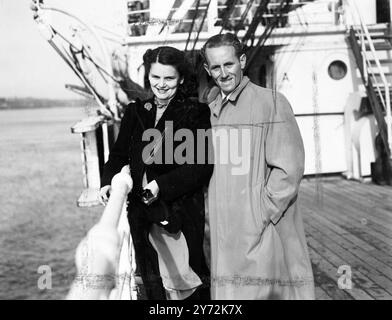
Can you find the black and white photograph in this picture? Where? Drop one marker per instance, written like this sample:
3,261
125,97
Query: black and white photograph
195,150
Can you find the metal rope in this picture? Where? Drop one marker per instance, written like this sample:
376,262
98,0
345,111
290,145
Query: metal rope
284,4
243,16
201,26
227,13
192,25
250,33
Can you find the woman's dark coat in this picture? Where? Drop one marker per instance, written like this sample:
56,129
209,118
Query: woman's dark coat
181,196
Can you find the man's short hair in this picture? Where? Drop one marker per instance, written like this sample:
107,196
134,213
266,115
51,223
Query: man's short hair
219,40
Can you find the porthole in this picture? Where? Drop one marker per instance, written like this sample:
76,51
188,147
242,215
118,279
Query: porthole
337,70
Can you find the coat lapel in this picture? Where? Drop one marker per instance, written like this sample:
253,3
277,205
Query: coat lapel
174,112
147,113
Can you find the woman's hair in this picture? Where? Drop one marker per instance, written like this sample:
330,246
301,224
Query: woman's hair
173,57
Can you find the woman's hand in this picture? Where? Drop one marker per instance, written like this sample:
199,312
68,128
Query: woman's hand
104,194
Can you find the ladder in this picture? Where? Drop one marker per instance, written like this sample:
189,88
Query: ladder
366,44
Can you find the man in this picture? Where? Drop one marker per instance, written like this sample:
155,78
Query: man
258,245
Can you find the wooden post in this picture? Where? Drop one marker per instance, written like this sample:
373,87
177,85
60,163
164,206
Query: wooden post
95,150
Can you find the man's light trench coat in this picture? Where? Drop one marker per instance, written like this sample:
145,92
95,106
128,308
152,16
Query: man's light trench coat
258,245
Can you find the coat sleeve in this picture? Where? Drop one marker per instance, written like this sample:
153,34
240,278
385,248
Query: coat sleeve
285,158
188,177
119,153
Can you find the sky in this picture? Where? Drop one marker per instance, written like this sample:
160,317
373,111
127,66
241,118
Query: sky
29,67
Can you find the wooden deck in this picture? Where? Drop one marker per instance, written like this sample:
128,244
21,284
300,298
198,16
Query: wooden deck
348,223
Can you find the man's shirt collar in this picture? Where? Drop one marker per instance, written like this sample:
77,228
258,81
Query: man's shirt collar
232,96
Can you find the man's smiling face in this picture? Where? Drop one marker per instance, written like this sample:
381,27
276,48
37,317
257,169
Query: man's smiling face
225,67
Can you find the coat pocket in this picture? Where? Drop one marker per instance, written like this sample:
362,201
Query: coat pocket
257,209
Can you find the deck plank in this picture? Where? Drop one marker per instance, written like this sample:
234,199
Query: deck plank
364,286
345,226
358,264
370,190
321,294
348,223
322,271
360,209
334,262
339,214
348,241
374,246
370,194
382,202
345,221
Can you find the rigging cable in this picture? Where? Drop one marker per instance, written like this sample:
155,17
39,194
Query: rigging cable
243,16
284,4
192,24
201,26
175,6
250,33
79,74
227,13
86,55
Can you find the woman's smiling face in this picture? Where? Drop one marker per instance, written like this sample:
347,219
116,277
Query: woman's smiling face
164,81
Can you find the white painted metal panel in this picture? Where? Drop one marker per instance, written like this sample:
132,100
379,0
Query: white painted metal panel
302,76
324,143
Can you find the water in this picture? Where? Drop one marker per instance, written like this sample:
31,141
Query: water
40,181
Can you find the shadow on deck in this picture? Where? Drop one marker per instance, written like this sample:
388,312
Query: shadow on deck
348,226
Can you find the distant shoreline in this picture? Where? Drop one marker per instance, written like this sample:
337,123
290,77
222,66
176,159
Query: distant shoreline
41,107
36,103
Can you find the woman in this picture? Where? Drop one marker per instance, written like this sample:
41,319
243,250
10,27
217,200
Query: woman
166,205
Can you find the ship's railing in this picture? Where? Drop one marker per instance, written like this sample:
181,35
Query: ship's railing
325,12
362,32
105,257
